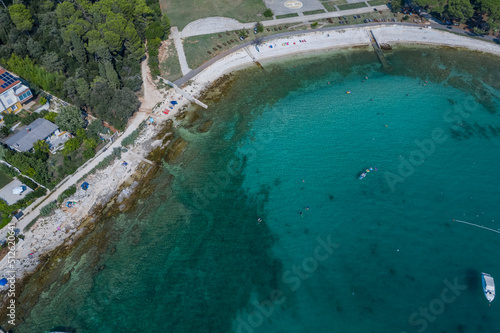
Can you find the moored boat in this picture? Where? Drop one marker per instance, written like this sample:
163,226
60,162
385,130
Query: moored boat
488,287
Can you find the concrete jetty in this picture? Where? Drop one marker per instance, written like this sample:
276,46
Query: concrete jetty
182,92
378,50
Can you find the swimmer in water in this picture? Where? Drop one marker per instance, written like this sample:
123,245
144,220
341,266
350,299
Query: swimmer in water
259,220
307,208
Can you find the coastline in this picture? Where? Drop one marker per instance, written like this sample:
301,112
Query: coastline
73,221
318,41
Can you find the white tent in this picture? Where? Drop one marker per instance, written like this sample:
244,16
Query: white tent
19,189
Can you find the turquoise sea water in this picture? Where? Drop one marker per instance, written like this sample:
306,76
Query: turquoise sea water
332,253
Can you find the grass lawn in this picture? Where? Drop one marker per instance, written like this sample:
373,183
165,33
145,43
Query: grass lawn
330,6
378,2
196,47
352,5
4,179
286,15
312,12
334,2
369,15
183,12
169,61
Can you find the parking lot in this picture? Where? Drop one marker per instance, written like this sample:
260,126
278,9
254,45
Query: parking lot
11,198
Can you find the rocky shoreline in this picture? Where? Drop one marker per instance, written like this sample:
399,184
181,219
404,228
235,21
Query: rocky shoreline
118,199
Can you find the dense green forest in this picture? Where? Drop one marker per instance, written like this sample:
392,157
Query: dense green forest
483,14
85,52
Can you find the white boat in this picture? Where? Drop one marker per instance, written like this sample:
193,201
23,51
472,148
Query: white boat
488,287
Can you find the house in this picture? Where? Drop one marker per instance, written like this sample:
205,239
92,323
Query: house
12,92
40,129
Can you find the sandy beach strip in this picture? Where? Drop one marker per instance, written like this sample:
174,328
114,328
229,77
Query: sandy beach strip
408,35
324,40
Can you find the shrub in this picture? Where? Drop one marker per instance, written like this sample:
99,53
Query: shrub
129,140
28,182
314,25
268,13
153,50
104,163
48,209
7,170
260,27
30,118
117,152
396,5
88,153
10,119
5,221
29,198
40,192
242,33
4,131
51,116
66,194
43,100
71,145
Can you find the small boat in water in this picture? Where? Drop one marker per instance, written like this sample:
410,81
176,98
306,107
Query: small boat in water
364,173
488,287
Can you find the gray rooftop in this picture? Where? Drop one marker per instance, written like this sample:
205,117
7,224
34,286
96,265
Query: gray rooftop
26,137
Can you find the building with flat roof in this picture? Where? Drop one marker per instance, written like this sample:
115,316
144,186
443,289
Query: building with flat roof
12,92
40,129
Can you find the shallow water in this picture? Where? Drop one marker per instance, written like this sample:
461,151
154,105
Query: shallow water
333,253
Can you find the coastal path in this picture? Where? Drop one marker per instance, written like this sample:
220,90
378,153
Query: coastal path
31,214
176,36
438,26
208,26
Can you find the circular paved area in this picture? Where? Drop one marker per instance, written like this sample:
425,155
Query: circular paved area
293,4
282,7
209,24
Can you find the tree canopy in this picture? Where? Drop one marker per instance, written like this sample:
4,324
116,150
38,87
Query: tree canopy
70,119
21,17
75,47
462,10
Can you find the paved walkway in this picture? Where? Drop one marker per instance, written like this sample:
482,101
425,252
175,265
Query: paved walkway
194,72
213,25
31,214
176,36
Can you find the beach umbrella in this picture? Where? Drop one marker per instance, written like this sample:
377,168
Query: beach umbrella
3,282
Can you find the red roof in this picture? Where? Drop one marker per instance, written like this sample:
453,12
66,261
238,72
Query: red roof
3,86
